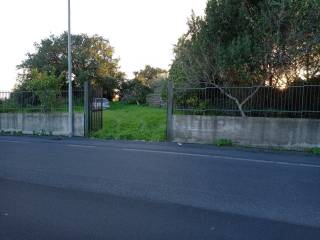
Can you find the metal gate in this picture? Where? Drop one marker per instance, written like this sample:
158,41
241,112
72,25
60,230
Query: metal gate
93,108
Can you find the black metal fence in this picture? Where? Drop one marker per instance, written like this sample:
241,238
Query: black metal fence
40,101
96,109
290,102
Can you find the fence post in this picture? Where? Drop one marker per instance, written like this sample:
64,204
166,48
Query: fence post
302,103
86,109
101,112
170,111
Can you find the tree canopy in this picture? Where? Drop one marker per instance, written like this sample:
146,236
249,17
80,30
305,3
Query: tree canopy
92,57
145,81
249,43
149,75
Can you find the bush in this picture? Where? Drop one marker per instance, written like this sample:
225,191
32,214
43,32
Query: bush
46,87
315,151
134,92
223,143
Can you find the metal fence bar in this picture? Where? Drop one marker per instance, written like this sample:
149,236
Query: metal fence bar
39,101
291,102
170,111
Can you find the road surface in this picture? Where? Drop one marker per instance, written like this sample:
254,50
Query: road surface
54,188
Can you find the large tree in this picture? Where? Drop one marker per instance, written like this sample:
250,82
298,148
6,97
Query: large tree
149,75
145,81
249,43
92,57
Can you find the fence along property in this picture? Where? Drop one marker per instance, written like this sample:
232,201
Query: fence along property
40,112
288,117
39,101
46,112
291,102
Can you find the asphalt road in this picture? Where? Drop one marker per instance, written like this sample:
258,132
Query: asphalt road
85,189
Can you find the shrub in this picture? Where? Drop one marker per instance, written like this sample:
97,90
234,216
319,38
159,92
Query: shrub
46,87
316,151
134,92
223,143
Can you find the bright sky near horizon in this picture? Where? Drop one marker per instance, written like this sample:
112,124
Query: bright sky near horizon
141,31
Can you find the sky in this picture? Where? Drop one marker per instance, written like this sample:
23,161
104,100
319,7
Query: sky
141,31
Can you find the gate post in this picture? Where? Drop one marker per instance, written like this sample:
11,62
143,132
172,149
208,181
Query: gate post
86,109
170,111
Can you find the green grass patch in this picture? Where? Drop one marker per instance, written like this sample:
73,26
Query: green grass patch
315,151
133,122
223,143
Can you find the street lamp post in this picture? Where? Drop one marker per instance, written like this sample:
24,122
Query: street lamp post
70,106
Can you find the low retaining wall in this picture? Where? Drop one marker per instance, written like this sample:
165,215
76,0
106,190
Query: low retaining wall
271,132
53,123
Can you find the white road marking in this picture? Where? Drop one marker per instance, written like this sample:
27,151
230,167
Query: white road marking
308,165
225,157
185,154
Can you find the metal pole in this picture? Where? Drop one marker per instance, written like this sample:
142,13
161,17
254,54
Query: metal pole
170,111
70,110
86,109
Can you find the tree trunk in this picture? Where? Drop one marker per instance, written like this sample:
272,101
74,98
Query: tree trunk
239,105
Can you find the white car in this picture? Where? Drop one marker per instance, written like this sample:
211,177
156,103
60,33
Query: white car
97,103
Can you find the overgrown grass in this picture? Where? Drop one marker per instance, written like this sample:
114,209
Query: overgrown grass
132,122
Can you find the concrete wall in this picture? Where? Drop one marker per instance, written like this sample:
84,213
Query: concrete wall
277,132
155,100
27,123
